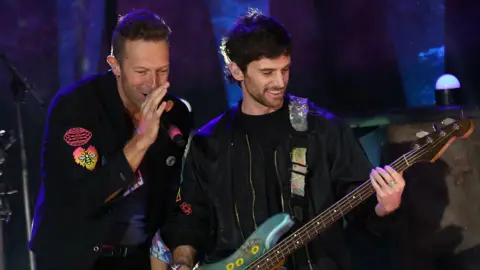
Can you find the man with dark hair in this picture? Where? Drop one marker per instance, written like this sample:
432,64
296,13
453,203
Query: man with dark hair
109,162
272,153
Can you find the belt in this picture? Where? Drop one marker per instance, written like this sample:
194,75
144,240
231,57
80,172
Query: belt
114,251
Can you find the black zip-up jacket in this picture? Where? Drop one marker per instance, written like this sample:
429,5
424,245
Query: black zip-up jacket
219,154
72,220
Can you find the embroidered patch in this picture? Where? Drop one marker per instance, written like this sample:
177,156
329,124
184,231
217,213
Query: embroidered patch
86,158
77,136
186,208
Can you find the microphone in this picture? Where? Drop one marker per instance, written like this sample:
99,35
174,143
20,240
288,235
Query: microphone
174,133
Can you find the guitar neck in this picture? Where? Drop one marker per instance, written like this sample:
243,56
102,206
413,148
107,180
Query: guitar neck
331,215
429,148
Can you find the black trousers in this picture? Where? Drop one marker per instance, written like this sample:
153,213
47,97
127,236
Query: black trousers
134,262
119,263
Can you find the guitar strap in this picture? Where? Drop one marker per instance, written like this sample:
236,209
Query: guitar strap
298,174
298,112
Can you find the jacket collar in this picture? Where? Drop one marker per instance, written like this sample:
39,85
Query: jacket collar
115,110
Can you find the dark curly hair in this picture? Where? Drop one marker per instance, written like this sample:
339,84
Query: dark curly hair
138,25
253,37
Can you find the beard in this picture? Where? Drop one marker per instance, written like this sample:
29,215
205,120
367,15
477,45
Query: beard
269,97
261,97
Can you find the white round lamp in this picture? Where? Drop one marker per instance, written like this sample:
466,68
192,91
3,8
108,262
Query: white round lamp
447,90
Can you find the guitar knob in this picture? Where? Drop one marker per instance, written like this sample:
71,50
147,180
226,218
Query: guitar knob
421,134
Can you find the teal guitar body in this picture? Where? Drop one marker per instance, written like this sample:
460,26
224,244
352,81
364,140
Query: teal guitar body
259,242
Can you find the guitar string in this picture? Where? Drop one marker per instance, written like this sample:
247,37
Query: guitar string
363,190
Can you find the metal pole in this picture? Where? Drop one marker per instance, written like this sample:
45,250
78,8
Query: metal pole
26,193
2,252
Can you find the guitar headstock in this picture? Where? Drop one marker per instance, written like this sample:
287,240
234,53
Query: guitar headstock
431,146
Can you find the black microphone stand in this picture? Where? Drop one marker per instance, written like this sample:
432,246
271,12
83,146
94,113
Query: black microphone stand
20,89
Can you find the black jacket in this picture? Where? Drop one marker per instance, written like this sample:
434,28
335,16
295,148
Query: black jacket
219,155
71,219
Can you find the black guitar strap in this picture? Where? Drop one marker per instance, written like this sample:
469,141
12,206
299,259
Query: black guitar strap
298,175
298,202
298,109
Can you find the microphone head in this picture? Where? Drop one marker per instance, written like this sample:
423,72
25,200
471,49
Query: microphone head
178,140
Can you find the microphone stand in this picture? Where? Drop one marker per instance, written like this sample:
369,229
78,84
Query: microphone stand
20,88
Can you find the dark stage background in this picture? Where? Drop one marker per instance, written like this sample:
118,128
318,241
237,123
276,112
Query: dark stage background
351,56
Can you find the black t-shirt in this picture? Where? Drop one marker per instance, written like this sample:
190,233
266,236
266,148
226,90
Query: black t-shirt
268,131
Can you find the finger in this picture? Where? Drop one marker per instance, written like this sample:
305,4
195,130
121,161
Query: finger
386,177
397,177
392,172
169,105
379,179
157,99
376,186
152,98
158,113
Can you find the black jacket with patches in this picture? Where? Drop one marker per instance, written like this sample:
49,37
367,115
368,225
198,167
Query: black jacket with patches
219,157
83,163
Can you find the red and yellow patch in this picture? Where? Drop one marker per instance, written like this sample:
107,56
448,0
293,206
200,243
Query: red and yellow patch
86,158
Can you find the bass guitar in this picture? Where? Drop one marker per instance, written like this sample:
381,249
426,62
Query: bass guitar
261,251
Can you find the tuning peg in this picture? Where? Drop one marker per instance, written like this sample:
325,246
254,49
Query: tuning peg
421,134
447,121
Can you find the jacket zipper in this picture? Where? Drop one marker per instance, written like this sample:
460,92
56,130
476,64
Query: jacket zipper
235,208
250,179
279,180
238,221
308,257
